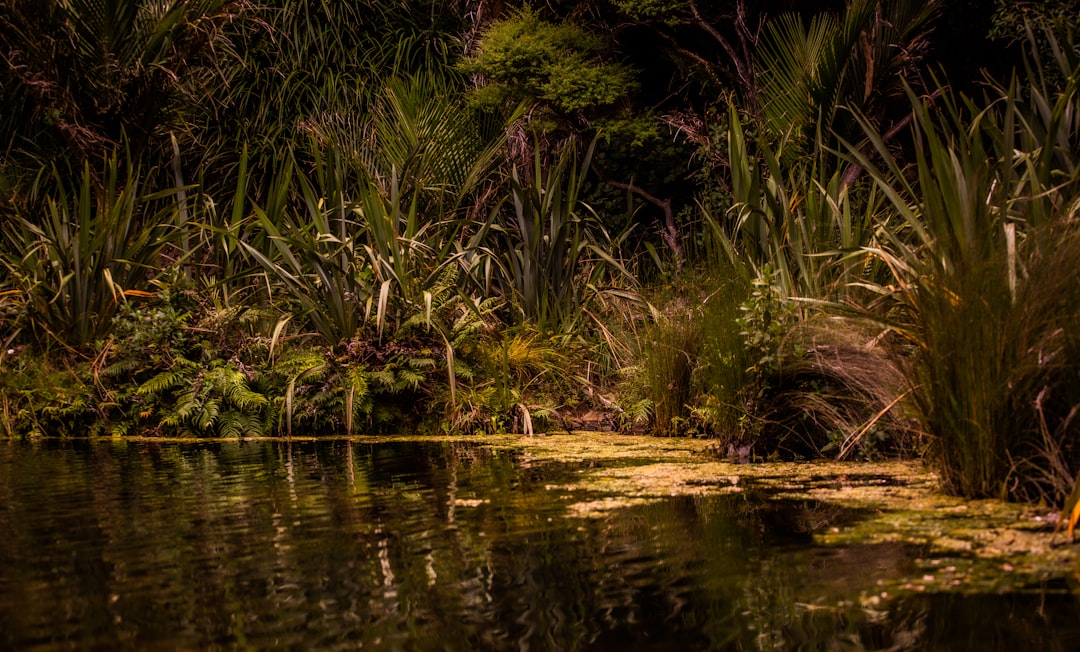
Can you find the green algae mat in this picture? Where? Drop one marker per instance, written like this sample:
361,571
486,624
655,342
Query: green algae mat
971,546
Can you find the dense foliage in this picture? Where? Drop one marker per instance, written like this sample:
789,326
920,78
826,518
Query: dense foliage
805,233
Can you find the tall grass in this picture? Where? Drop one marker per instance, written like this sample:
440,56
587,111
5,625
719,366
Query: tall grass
981,263
694,366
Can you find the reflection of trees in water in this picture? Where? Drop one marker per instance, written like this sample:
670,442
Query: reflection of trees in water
1043,619
334,545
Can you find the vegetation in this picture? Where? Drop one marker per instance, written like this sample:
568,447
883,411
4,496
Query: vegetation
228,218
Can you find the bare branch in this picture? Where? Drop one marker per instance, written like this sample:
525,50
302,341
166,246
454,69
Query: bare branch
670,232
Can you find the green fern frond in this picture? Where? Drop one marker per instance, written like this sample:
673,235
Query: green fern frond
245,399
209,414
297,360
357,381
472,320
182,362
384,378
160,383
120,367
187,404
232,423
120,428
410,378
463,371
232,385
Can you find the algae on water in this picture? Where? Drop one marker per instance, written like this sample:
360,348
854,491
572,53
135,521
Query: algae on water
967,546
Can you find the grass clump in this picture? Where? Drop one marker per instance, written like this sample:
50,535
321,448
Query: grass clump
999,375
693,374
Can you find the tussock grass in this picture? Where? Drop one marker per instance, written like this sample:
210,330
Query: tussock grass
840,390
984,264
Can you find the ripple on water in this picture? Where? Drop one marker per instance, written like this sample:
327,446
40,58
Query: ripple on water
440,545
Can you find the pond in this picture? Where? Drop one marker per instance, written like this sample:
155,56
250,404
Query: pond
402,544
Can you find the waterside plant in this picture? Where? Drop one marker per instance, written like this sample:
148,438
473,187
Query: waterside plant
400,239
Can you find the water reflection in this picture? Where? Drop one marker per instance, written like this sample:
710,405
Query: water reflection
430,546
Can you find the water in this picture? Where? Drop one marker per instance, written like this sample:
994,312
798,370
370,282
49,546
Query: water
439,546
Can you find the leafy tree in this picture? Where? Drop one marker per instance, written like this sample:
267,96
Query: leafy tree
577,87
564,70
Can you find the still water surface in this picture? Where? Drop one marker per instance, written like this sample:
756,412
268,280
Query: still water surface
439,546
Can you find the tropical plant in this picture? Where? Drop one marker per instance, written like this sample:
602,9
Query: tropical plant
41,399
788,202
555,258
419,130
812,75
90,250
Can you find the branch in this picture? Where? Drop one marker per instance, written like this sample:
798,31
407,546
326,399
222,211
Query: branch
743,73
854,170
705,63
670,233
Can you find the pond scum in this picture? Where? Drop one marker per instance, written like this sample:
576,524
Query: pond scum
971,546
967,546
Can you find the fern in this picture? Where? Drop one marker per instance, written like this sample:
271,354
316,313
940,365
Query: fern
305,366
205,401
121,367
160,383
298,361
246,399
231,425
209,414
409,378
356,393
464,371
186,405
231,383
384,378
120,428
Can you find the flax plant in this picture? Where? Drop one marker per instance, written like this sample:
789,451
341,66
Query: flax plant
89,249
800,220
980,262
314,254
555,261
